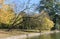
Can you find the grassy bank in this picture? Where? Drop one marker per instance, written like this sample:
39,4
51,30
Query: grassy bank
23,35
5,33
17,32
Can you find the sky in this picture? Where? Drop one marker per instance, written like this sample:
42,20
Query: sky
21,3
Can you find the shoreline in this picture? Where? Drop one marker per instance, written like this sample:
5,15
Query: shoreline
29,35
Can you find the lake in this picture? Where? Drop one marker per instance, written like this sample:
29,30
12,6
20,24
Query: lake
47,36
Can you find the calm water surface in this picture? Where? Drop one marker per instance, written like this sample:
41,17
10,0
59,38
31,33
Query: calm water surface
49,36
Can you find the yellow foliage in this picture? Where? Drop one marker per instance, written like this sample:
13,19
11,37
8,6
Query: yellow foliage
47,23
6,14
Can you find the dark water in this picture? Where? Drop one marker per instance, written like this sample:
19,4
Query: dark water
49,36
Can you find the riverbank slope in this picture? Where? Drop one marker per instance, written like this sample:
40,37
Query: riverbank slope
24,36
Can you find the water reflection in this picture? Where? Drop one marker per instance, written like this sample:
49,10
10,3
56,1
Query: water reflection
50,36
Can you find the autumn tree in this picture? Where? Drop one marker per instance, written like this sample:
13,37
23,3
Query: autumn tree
46,23
6,14
43,21
19,20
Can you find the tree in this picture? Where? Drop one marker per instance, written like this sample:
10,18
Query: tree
6,15
19,20
19,14
52,7
43,21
